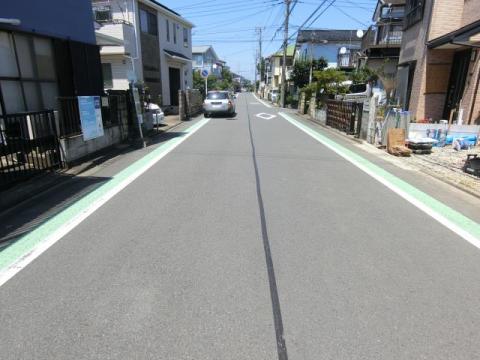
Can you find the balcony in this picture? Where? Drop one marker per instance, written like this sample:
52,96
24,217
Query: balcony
383,36
347,60
120,31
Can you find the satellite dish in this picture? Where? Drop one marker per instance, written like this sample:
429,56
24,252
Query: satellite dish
343,50
359,33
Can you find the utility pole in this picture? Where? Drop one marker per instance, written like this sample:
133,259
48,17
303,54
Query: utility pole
256,68
258,31
285,45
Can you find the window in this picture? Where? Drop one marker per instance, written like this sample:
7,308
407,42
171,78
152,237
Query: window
413,12
185,37
27,73
107,76
168,31
198,60
217,95
393,12
174,33
148,22
102,13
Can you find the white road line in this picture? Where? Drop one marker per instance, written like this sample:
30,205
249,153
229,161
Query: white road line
49,239
263,102
404,191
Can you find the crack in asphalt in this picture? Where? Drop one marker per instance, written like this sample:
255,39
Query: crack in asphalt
277,314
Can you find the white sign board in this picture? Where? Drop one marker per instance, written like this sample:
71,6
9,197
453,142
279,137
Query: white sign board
138,105
204,73
90,117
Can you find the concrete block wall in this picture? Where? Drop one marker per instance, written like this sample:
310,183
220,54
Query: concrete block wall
75,148
312,109
190,103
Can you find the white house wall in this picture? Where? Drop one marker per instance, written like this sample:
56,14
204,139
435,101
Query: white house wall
166,62
120,67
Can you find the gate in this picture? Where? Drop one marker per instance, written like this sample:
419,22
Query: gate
345,116
28,146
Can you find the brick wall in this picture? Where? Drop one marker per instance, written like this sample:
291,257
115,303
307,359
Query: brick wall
471,11
433,67
446,17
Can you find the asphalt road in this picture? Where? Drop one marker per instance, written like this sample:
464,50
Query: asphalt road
250,240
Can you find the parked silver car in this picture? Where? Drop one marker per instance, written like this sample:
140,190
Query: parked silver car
218,102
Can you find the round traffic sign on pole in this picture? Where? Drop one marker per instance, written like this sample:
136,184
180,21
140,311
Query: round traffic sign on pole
204,73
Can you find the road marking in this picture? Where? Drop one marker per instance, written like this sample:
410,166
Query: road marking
266,116
21,253
448,217
261,101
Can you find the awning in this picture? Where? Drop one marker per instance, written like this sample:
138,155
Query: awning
176,56
468,36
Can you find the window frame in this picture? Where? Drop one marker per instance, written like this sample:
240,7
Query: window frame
105,79
168,29
414,11
185,37
36,79
148,22
174,33
102,9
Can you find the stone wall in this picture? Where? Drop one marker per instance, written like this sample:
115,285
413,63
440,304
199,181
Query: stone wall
190,103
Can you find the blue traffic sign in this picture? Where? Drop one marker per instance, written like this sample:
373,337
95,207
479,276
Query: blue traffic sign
204,73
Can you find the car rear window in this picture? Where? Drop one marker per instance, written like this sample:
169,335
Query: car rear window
217,96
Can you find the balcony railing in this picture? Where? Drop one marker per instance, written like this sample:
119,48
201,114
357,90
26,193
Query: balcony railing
346,60
383,36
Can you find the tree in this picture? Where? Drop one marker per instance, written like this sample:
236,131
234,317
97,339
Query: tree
301,71
330,82
363,75
199,82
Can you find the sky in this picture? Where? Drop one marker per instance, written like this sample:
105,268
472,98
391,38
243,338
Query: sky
229,26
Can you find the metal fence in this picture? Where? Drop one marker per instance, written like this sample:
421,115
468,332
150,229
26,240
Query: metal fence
69,117
28,146
114,112
345,116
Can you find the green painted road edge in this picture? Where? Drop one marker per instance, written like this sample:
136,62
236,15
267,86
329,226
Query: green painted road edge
25,244
463,222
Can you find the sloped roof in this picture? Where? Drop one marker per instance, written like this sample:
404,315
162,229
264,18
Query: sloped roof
290,51
166,8
327,34
200,49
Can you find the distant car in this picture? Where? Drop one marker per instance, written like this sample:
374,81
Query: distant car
218,102
157,114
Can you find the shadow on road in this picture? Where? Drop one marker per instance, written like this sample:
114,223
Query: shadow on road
29,215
